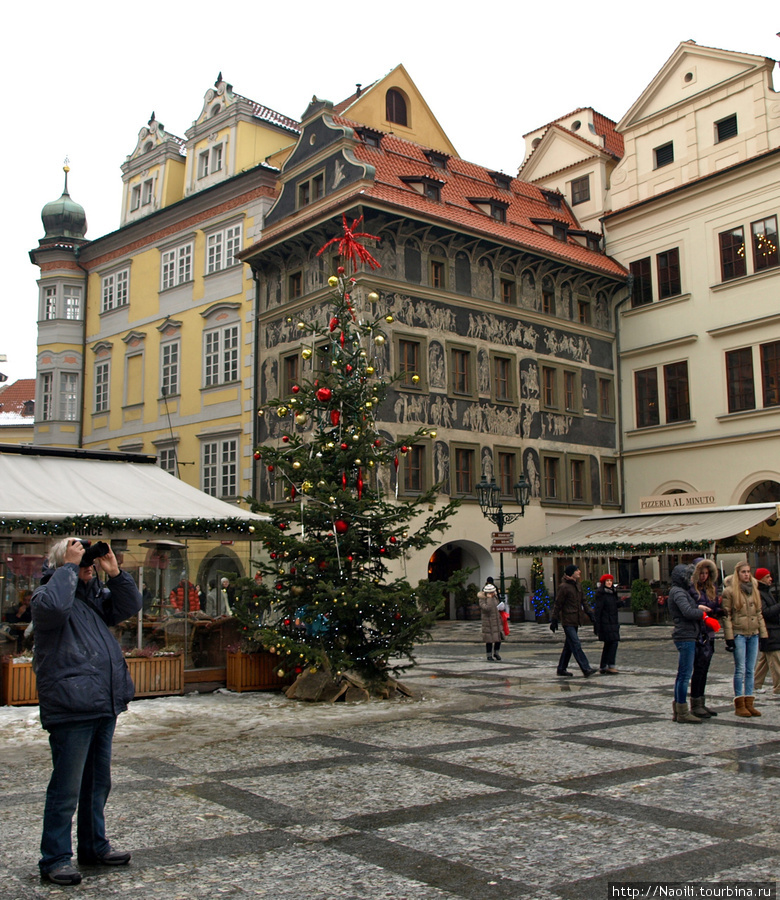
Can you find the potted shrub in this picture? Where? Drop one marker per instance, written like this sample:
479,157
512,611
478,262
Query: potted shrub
516,597
642,601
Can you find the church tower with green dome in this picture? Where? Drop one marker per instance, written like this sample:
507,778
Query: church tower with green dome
61,307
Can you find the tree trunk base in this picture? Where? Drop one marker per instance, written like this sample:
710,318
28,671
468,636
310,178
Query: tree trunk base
324,687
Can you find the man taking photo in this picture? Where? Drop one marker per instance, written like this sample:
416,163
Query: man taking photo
83,685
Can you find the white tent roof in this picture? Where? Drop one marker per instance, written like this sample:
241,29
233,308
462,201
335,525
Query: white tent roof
685,529
56,487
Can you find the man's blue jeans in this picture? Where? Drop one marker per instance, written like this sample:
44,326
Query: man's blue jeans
572,647
81,776
745,654
687,651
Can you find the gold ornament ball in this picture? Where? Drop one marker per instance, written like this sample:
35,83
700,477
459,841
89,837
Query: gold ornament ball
415,379
369,404
306,353
330,445
333,281
312,559
370,370
379,339
363,354
301,325
371,463
300,419
358,462
389,319
296,465
296,590
281,412
373,296
321,484
306,487
431,434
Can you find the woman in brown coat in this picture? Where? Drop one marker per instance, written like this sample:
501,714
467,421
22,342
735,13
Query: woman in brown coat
492,630
742,627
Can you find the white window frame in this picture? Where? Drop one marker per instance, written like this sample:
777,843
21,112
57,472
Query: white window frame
221,355
69,396
50,303
219,472
166,456
148,192
72,302
170,354
102,386
175,266
216,158
115,290
135,197
203,164
222,246
47,396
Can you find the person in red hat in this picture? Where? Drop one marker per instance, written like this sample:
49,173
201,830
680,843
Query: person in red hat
605,622
769,648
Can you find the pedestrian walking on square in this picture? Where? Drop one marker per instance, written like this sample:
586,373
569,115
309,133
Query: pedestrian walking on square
743,628
606,623
769,649
687,616
704,592
83,685
570,610
490,606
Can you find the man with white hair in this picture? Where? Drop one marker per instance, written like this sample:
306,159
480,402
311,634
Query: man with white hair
83,685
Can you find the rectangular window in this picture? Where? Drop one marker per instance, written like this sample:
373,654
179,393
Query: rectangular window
549,388
548,303
664,155
203,164
580,190
570,391
220,364
739,379
437,274
461,365
508,292
577,480
135,197
114,291
408,362
176,266
317,187
669,284
134,380
414,471
72,302
552,477
311,190
647,410
764,233
583,312
294,285
732,253
290,373
770,373
502,379
221,249
167,459
507,473
605,398
464,471
609,493
101,387
216,158
678,406
148,192
50,303
47,397
726,128
169,376
642,286
69,396
220,468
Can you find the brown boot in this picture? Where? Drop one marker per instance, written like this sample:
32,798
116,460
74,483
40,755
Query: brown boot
685,716
752,711
699,709
739,708
674,710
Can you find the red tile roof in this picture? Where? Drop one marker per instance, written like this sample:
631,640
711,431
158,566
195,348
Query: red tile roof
613,142
13,396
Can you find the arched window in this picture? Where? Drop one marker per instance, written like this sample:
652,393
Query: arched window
395,107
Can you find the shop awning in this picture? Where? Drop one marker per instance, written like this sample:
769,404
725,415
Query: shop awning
46,492
673,530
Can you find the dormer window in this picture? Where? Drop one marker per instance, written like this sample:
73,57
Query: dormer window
496,209
311,190
369,137
395,107
428,187
553,199
500,180
436,159
559,232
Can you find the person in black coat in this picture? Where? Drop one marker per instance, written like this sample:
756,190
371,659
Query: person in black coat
605,622
769,657
83,685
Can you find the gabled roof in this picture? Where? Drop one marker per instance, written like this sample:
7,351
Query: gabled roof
604,127
396,161
14,396
271,115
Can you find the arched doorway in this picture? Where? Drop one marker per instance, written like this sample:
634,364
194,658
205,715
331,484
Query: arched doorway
455,555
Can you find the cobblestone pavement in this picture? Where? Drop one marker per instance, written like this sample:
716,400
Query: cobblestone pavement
503,782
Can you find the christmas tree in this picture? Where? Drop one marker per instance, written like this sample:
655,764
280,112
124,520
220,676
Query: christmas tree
331,604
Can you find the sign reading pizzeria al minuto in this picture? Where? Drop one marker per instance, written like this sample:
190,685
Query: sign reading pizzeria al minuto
676,501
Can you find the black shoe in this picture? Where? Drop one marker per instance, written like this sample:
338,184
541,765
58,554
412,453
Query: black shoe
496,657
112,858
566,674
63,875
490,659
588,672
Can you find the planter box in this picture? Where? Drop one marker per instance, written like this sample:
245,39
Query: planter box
254,672
156,676
19,688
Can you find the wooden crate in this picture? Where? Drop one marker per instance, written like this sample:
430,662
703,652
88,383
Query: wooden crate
19,687
254,672
156,676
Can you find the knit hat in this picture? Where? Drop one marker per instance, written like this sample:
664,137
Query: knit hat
489,589
570,570
761,573
607,577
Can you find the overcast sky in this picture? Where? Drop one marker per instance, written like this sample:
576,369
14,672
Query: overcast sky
82,78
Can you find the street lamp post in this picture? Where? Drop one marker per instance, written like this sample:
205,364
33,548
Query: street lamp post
489,497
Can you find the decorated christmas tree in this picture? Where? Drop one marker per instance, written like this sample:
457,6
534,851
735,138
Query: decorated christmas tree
331,604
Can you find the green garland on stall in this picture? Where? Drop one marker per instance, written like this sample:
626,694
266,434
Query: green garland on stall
201,527
611,549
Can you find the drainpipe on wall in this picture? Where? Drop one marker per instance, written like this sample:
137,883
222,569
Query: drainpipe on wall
82,413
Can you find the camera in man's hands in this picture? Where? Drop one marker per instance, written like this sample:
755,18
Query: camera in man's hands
92,552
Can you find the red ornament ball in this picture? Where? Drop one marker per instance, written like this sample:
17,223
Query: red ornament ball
341,270
270,468
348,368
393,539
404,449
345,446
279,585
282,525
295,389
257,454
324,394
341,526
323,565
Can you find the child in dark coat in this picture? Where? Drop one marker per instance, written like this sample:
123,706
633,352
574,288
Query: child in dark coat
605,622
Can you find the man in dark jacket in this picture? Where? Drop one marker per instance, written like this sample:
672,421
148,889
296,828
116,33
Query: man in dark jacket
571,611
83,685
769,657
